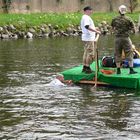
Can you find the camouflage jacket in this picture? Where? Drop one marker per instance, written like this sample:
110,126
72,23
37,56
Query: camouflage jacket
122,26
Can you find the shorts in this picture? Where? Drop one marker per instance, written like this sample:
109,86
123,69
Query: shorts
123,43
89,48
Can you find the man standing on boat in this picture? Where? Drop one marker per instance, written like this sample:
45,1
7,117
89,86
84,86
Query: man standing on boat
88,36
122,26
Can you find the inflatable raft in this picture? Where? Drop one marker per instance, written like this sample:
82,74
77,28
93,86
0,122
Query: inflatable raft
105,76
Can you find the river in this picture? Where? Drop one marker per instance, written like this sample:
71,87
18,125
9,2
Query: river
30,110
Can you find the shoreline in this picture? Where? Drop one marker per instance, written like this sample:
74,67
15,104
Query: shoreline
49,31
44,25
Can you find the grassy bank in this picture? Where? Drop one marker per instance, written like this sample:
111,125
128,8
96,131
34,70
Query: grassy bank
62,20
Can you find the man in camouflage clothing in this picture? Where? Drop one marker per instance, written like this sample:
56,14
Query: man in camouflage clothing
122,26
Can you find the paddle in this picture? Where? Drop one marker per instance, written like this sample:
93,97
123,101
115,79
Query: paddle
96,60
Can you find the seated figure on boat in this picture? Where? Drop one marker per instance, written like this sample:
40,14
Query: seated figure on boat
136,58
136,54
109,61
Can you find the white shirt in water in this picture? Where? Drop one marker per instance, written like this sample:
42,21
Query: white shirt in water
56,82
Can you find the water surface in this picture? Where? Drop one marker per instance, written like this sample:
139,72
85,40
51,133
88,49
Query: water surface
30,110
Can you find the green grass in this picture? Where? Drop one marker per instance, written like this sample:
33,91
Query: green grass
62,20
99,17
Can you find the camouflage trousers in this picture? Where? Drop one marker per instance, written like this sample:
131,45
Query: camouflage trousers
123,44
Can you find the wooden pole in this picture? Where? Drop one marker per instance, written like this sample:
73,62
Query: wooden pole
96,60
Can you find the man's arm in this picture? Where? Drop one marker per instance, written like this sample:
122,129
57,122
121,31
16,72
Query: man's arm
133,28
90,29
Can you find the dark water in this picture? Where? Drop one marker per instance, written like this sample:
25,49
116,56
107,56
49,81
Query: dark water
30,110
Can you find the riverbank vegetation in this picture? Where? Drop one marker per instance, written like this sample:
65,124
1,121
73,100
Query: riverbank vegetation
62,20
50,24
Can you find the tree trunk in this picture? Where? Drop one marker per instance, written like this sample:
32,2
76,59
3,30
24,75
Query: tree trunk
6,5
110,5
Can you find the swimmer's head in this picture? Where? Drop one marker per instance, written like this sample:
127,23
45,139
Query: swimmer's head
60,77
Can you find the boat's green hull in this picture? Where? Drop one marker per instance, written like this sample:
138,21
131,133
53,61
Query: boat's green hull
123,80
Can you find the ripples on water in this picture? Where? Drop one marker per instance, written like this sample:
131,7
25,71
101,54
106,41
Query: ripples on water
30,110
38,111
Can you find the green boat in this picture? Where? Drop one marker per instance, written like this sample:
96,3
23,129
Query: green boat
105,76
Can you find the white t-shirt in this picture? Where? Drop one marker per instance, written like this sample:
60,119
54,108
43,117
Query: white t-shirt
86,34
56,82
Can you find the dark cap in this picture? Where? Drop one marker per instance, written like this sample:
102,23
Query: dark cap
87,8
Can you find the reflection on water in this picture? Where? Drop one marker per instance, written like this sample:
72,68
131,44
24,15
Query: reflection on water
30,110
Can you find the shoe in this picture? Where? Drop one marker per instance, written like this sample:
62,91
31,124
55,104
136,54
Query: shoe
84,69
132,71
87,69
118,71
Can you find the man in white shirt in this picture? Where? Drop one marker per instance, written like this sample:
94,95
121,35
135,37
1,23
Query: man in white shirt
59,81
88,36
